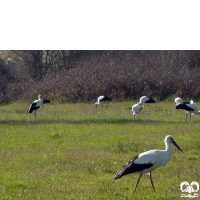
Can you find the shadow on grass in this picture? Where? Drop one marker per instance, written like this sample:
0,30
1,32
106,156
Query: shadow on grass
88,121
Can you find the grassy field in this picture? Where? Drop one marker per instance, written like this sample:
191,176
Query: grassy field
73,151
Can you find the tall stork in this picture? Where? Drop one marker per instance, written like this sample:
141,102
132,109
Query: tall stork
189,107
138,107
148,161
101,100
37,103
178,101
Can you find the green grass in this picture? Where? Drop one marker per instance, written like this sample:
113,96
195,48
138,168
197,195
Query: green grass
73,151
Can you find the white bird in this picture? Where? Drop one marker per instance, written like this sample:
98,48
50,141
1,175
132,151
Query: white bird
138,107
148,161
189,107
102,99
37,103
178,101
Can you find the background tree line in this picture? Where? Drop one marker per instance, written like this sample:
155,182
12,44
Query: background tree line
72,76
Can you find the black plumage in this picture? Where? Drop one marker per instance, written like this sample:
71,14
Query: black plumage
33,107
46,101
150,100
37,103
101,100
131,167
105,99
184,106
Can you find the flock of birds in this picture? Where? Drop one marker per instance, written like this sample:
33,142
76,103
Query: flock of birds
189,107
147,161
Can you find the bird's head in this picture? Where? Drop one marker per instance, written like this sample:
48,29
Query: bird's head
39,96
170,139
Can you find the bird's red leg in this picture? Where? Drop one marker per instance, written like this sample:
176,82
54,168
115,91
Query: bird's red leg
152,182
137,183
35,114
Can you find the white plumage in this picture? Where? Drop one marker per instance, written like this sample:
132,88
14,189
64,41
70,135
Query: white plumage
138,107
102,99
148,161
178,100
37,103
189,107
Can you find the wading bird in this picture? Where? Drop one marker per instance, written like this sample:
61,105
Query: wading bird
189,107
148,161
138,107
178,101
37,103
101,100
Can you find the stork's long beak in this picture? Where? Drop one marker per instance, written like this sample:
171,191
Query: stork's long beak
176,145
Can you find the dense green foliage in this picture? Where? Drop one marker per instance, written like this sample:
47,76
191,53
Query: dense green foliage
72,151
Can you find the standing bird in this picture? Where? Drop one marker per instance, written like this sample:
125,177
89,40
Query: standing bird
189,107
102,99
178,101
37,103
148,161
138,107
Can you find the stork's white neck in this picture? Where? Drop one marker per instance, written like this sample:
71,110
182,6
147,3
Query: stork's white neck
40,98
141,102
168,152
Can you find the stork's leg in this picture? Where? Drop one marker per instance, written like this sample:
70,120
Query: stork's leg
35,114
137,183
190,117
152,182
186,115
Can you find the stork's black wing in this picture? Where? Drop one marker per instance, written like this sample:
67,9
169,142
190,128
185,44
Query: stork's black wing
184,106
132,167
46,101
33,107
106,99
